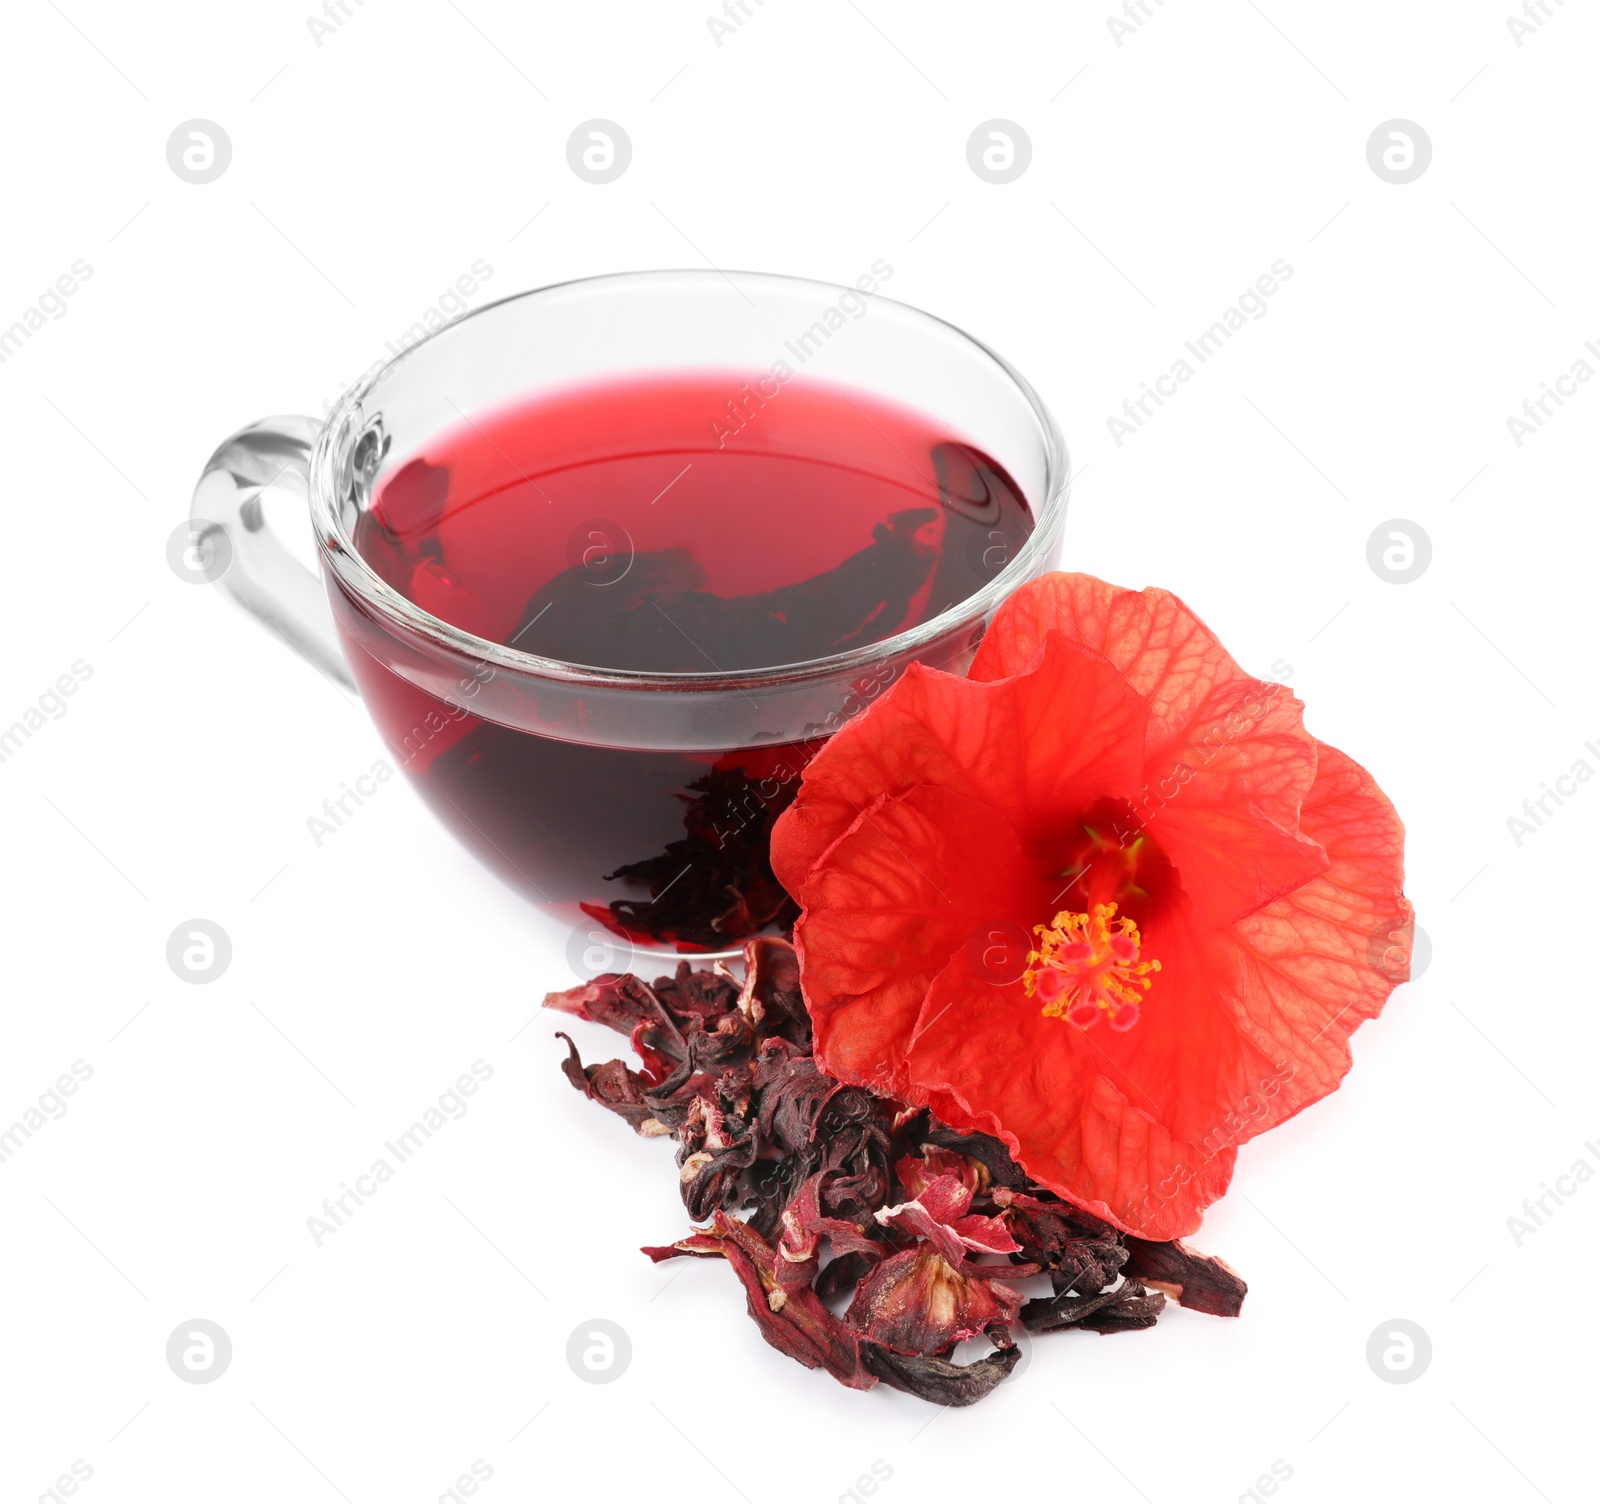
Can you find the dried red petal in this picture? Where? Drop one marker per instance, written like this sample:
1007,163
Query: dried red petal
1192,1279
945,1198
940,1381
939,1214
699,1245
804,1225
1125,1307
917,1171
984,1235
770,997
612,1085
916,1303
617,1000
794,1321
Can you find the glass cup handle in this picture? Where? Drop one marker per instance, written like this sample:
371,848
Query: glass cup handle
259,574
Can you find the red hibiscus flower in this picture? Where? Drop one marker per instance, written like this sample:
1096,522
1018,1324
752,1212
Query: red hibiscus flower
1105,899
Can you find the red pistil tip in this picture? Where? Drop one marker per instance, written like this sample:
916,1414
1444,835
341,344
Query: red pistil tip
1087,965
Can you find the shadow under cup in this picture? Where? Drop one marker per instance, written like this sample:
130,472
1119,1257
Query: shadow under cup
636,806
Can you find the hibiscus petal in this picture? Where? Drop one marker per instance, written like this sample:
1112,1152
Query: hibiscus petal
917,1171
915,1303
1248,1023
879,924
986,1059
1226,760
795,1321
985,1235
945,1198
912,1221
1167,653
1233,859
1038,748
1314,966
938,1380
1187,1063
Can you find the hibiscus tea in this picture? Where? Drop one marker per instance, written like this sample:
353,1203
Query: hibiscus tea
667,525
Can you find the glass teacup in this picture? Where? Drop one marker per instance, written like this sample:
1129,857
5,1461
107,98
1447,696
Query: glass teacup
634,803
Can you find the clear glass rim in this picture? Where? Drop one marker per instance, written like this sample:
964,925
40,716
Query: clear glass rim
361,580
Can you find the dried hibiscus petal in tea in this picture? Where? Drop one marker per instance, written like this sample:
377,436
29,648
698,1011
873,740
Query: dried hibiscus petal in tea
872,1240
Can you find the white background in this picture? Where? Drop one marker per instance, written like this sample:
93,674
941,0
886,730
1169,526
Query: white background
1168,173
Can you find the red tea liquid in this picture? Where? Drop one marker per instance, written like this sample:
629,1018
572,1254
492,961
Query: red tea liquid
670,524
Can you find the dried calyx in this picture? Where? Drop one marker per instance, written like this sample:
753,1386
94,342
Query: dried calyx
926,1230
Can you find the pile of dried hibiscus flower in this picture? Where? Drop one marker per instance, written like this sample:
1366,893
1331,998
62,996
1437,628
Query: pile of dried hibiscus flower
927,1230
